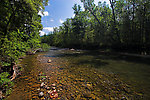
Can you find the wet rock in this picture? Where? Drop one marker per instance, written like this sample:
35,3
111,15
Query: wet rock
72,49
53,85
42,84
53,88
53,95
59,90
49,61
41,94
49,92
124,98
56,95
48,88
38,89
42,89
54,91
43,79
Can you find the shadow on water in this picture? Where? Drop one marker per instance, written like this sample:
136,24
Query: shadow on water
95,63
131,68
98,55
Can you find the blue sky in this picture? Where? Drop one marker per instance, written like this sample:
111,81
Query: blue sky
57,12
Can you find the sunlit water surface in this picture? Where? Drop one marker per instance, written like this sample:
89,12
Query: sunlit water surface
132,70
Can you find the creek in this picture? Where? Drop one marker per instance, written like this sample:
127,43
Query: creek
82,74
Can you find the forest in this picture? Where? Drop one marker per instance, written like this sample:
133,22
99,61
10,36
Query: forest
124,26
120,26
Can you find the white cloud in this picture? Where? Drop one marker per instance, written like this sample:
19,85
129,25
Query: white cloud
40,13
45,13
51,20
61,21
49,29
46,30
42,33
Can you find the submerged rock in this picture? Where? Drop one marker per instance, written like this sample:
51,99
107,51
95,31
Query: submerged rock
72,49
49,61
42,84
56,95
53,85
53,88
49,92
38,89
53,94
48,88
41,94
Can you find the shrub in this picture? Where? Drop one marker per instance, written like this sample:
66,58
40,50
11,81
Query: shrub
45,47
5,83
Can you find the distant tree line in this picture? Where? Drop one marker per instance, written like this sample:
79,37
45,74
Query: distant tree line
124,25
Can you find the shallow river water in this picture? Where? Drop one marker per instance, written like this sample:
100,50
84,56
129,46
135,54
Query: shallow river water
79,74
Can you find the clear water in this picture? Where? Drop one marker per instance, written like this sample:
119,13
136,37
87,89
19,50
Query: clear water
132,70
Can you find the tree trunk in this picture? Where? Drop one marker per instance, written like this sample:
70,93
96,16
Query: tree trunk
114,18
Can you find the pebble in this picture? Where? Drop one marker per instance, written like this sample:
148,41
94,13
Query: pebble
48,88
43,79
49,92
53,88
41,94
72,49
42,84
49,61
53,84
56,95
38,89
54,91
60,89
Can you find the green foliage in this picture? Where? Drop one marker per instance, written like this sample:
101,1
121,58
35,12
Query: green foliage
5,82
123,25
45,47
19,28
19,32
